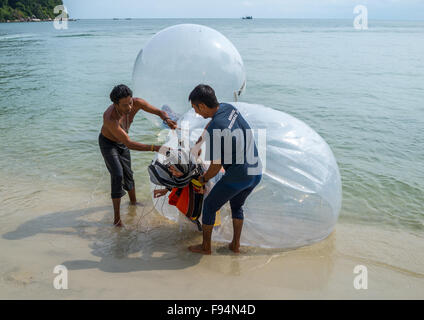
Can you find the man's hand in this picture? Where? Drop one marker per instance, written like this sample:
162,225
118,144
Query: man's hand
202,180
213,170
175,172
170,123
144,105
159,193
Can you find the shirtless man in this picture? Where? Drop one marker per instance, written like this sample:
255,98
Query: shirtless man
115,144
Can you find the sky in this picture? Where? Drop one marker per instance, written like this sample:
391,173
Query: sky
316,9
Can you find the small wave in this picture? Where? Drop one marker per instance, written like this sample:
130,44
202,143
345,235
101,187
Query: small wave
385,265
15,36
79,35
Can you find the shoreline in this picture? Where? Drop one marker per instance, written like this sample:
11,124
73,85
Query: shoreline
149,258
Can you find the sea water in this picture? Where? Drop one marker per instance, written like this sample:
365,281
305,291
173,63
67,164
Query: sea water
361,90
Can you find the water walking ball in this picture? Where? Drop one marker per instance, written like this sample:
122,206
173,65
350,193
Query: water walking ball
180,57
298,200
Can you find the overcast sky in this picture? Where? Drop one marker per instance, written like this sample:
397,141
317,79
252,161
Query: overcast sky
377,9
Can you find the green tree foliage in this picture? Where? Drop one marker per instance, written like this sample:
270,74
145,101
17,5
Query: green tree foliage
17,9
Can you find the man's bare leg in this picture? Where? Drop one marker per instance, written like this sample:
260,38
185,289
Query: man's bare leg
205,247
116,209
237,227
133,198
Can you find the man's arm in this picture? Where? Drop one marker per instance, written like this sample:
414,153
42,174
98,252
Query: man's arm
213,170
122,136
144,105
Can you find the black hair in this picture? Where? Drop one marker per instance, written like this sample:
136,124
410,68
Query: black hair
120,91
204,94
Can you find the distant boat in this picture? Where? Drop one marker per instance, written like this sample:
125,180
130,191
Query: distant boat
127,18
247,18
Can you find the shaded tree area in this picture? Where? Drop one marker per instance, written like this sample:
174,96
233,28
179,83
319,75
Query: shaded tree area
24,9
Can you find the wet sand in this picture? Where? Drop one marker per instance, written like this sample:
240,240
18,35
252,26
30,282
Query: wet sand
149,258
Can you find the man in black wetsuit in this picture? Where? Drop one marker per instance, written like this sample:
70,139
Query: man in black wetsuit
230,145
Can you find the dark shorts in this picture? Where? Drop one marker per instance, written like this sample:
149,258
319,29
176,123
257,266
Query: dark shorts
228,190
118,161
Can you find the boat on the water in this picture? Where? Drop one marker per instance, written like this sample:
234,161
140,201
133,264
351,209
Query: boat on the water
247,18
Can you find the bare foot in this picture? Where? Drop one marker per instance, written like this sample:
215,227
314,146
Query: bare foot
199,249
136,203
118,224
232,247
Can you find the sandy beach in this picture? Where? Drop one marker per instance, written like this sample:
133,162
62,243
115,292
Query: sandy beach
149,258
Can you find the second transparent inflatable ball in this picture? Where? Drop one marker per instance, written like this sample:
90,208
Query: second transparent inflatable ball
180,57
299,198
